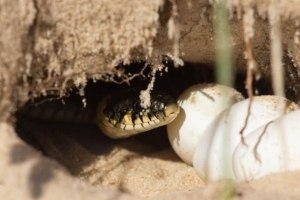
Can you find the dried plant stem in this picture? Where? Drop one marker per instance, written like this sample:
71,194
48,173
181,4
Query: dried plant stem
276,51
248,22
251,64
277,68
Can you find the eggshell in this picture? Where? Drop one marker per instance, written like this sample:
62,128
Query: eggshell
199,104
273,147
213,155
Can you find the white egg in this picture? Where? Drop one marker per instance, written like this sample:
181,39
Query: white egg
199,104
274,147
213,155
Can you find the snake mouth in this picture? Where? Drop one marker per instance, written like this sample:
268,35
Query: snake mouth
171,112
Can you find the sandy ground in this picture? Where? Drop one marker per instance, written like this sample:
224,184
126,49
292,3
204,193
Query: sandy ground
142,165
135,167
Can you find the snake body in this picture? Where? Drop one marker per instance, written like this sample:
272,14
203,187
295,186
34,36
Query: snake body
118,115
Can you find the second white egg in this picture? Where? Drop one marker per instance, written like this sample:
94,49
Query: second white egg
213,155
272,148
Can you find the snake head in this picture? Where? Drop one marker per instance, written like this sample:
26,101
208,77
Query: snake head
121,115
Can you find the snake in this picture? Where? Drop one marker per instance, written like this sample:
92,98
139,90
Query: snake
118,115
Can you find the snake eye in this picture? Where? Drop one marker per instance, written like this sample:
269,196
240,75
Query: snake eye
138,106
